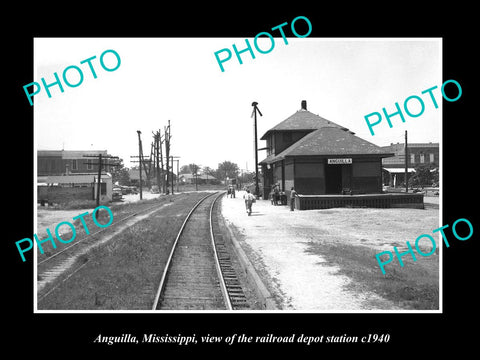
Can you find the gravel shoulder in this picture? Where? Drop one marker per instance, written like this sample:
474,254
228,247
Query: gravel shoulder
291,250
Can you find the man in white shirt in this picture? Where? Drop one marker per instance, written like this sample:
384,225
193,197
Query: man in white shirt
248,201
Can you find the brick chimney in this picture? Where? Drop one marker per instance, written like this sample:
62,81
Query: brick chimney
304,104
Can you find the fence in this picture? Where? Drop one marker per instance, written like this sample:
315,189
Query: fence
309,202
59,195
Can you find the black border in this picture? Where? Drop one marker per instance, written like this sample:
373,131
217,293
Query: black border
56,333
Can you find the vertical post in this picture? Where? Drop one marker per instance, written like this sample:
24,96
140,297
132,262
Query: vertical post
406,163
161,161
196,177
256,158
178,173
255,109
140,159
172,174
157,143
167,153
98,180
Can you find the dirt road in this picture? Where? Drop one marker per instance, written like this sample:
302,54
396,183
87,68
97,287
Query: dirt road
277,242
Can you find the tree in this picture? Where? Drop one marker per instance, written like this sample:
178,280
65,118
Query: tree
194,168
120,173
208,171
227,169
189,169
423,176
185,169
247,177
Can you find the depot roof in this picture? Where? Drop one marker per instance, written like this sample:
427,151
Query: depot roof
303,120
329,141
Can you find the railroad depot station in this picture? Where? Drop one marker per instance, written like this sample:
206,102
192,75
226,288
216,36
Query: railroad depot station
327,165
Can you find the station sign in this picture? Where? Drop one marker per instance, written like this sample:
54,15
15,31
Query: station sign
340,161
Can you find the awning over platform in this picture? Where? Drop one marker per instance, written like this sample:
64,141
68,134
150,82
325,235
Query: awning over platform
398,170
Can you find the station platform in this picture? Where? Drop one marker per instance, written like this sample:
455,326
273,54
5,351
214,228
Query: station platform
278,243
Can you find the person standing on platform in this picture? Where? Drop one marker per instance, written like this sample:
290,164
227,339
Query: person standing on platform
276,194
293,195
248,201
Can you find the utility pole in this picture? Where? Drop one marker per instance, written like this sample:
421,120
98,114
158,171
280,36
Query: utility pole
167,152
194,173
99,176
406,163
254,114
140,155
151,160
160,146
178,172
157,154
171,157
98,179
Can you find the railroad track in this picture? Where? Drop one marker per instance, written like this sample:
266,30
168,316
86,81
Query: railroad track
60,263
199,274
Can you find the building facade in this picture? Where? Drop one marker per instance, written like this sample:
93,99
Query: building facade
64,176
62,162
419,154
317,156
67,188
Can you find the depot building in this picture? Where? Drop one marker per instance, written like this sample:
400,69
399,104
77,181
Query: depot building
319,157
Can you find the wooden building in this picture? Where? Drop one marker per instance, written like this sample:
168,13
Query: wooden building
319,157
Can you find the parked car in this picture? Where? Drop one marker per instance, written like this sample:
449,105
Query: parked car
117,194
133,190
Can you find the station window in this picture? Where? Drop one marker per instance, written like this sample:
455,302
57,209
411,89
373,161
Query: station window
412,158
89,164
422,158
432,158
74,164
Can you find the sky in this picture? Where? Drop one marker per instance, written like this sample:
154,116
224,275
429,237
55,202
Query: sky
179,79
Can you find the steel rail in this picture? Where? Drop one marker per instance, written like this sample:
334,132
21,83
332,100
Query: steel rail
223,286
170,256
89,236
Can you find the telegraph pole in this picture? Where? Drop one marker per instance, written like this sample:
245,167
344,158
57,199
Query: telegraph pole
160,146
171,157
140,159
406,163
99,177
167,152
178,172
157,154
254,114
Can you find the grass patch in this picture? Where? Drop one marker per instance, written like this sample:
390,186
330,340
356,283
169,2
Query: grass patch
414,286
119,211
124,272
